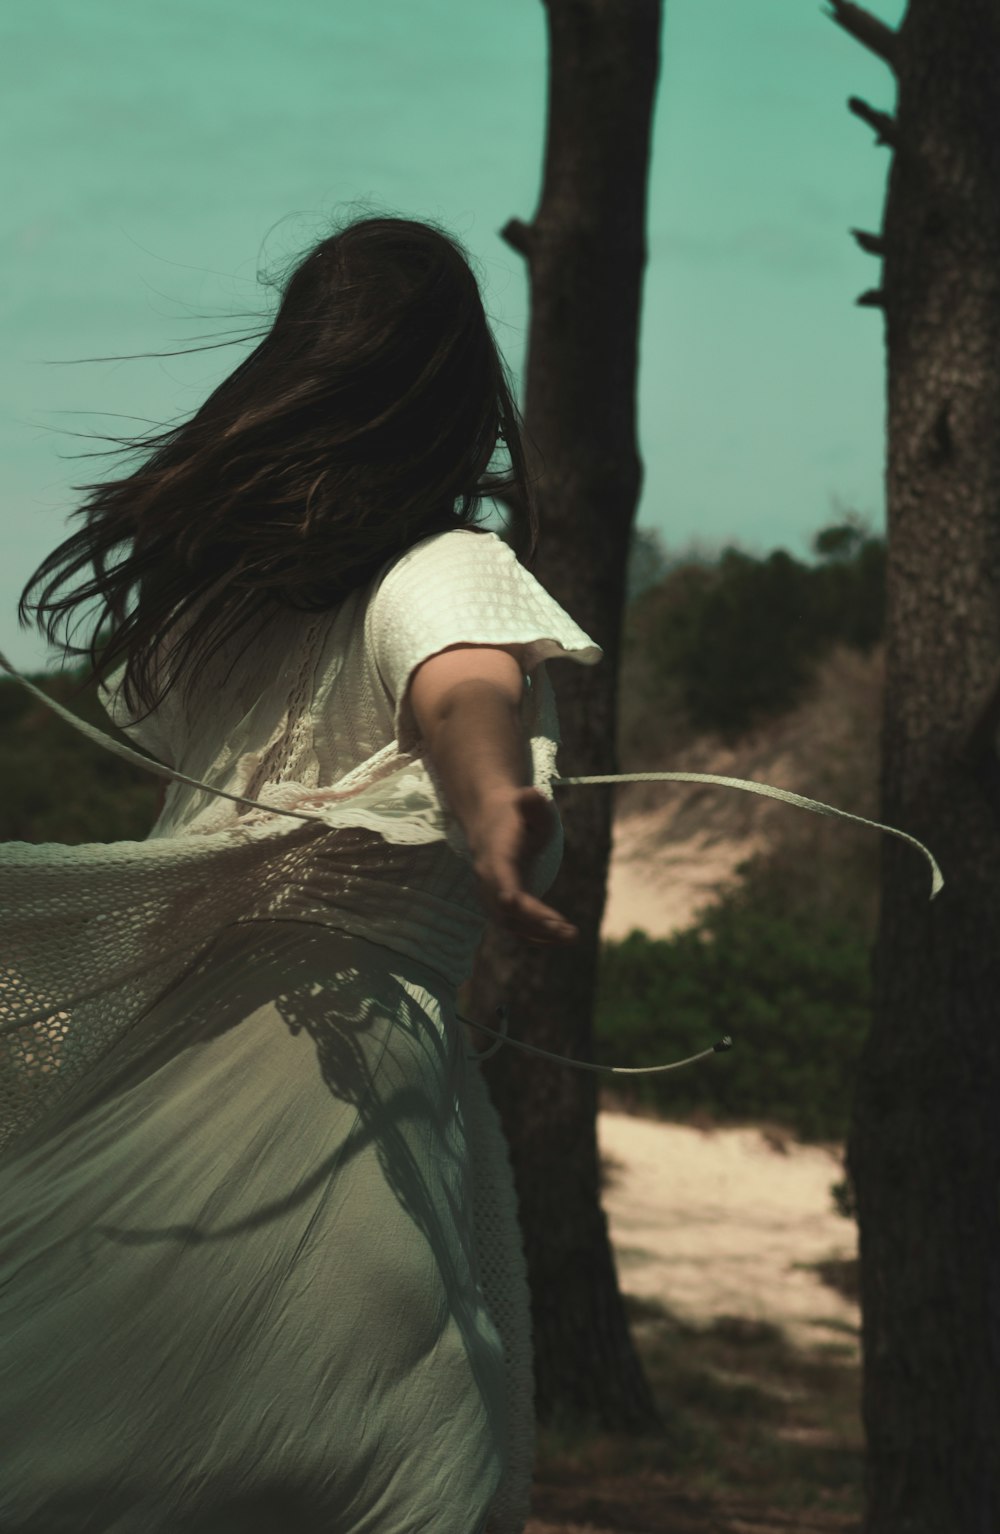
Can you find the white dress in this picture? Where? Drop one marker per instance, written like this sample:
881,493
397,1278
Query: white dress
260,1266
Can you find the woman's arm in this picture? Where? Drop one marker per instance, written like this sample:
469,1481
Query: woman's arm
466,702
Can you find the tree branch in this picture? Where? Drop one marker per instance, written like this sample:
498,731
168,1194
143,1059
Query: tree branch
872,243
872,298
866,29
881,122
519,236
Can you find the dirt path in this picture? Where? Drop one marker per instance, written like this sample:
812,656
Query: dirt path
727,1223
756,1359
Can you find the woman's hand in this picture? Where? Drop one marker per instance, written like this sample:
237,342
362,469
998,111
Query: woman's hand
511,830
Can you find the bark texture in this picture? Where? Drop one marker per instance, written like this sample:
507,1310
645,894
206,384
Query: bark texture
924,1151
585,249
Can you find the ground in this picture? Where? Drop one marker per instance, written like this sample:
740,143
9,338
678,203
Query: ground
740,1279
739,1275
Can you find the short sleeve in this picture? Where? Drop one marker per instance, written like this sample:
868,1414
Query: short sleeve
462,587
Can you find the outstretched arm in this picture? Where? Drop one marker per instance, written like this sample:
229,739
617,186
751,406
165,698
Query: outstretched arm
466,701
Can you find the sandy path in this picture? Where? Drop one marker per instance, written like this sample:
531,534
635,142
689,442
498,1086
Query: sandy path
718,1223
663,886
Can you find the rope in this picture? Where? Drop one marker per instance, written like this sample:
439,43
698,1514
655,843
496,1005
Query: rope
749,786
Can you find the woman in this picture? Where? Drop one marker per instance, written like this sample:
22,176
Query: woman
261,1268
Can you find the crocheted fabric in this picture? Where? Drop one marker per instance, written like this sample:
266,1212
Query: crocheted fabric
313,718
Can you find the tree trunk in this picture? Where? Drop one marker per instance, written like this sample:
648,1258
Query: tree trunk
924,1152
585,250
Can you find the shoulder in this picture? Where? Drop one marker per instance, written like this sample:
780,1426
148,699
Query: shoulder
459,570
443,553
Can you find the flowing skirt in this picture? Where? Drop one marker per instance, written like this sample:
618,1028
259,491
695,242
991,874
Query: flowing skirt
239,1288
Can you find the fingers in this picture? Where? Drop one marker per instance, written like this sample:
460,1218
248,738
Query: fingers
528,918
514,837
562,938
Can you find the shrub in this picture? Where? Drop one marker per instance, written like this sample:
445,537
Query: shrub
738,639
793,991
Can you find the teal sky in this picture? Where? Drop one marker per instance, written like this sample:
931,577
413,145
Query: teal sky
160,151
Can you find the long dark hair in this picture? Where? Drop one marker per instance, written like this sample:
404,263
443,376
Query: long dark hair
365,419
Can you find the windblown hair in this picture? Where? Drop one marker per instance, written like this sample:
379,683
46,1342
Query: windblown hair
365,419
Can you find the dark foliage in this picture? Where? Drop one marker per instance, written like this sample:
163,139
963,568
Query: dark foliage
792,992
737,641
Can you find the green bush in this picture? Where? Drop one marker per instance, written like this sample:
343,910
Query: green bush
739,639
57,786
793,992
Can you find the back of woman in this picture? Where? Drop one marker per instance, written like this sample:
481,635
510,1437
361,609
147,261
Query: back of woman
263,1268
